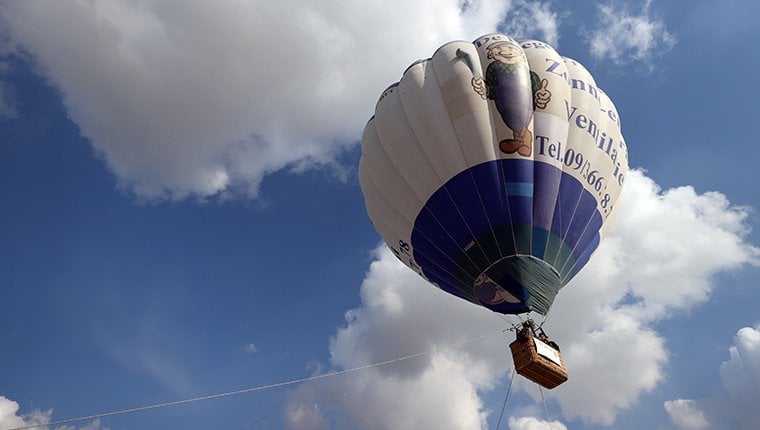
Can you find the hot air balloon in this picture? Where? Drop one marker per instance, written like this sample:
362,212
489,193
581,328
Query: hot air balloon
493,169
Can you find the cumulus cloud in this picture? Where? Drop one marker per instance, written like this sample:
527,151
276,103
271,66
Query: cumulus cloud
740,376
198,98
613,363
736,404
686,415
622,36
532,19
93,425
302,411
531,423
741,373
401,316
659,259
10,418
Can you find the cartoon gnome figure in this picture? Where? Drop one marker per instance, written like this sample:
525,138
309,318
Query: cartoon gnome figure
491,293
515,90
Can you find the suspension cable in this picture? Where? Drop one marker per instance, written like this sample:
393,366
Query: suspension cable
543,320
508,318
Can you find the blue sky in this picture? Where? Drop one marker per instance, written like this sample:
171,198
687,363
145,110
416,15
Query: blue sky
182,217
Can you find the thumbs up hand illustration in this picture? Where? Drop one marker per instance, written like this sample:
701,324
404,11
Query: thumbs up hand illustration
541,95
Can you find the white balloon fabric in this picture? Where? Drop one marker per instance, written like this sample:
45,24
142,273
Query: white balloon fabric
493,170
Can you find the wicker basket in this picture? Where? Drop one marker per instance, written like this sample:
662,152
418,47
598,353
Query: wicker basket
538,361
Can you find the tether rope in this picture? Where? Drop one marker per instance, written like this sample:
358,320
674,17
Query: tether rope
548,419
504,406
253,389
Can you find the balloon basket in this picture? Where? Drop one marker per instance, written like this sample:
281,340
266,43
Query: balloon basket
537,358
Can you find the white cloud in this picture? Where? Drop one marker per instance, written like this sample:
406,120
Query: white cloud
740,376
198,98
93,425
482,16
402,315
659,259
741,373
736,404
611,365
302,411
621,36
686,415
665,245
533,19
531,423
9,418
251,348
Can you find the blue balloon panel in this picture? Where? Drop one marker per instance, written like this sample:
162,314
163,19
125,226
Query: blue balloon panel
507,234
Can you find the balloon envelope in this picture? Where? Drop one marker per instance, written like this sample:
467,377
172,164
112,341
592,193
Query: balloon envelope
493,170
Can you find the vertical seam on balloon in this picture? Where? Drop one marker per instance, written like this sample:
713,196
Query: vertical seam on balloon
570,221
472,177
605,220
532,152
393,207
467,166
414,132
609,218
498,160
412,222
440,181
477,189
559,217
427,64
596,119
411,189
585,228
572,251
485,212
535,161
416,142
492,111
556,201
566,176
580,195
499,163
573,269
